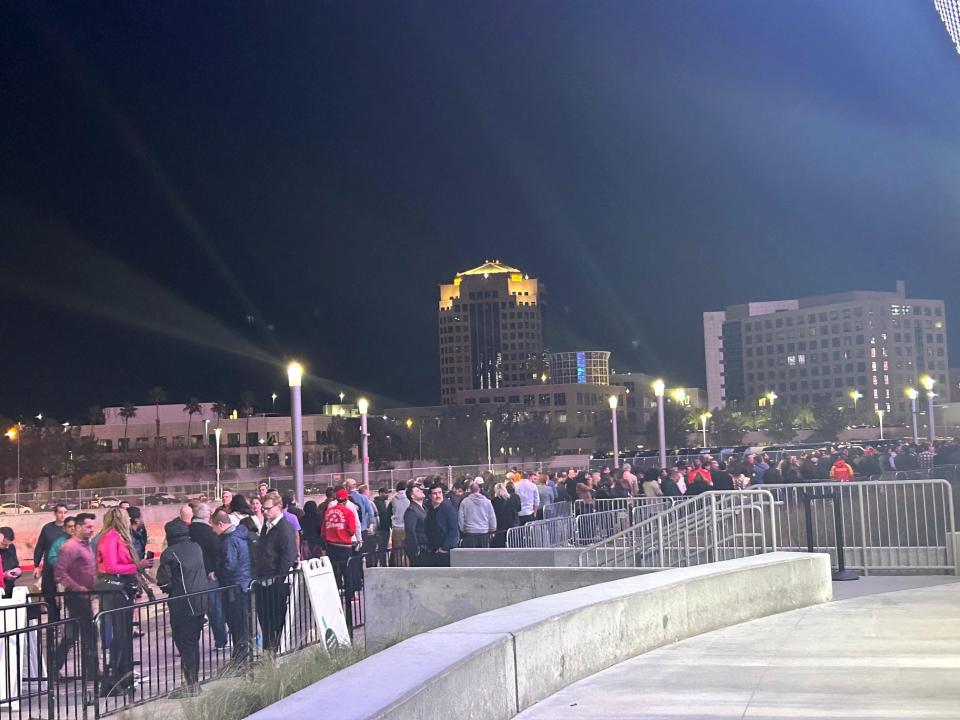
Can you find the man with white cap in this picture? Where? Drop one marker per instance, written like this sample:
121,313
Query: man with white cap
477,520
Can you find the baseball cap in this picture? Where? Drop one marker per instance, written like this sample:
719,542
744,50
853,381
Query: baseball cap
342,494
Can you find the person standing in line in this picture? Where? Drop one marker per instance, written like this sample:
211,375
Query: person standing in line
202,534
339,532
505,511
276,555
75,570
138,531
9,560
50,533
414,526
384,515
181,573
477,520
234,571
311,527
398,506
69,530
441,526
225,500
529,499
118,579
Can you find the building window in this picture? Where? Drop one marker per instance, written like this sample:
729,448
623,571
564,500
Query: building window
559,398
179,441
253,460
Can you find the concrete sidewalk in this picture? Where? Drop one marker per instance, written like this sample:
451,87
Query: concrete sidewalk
891,655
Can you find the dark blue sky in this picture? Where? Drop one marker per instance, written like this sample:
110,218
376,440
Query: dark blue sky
192,192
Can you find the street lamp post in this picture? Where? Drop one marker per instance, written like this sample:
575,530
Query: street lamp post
488,422
855,395
14,434
703,424
295,380
363,405
880,415
913,394
616,440
928,382
216,434
658,388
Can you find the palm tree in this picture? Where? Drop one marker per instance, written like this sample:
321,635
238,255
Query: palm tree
246,409
221,410
191,408
157,395
127,412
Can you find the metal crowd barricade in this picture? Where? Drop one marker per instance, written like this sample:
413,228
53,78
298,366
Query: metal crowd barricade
629,504
134,667
888,525
706,528
35,684
562,508
558,532
593,527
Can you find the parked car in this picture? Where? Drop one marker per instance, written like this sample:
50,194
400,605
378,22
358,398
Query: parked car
161,499
12,508
105,502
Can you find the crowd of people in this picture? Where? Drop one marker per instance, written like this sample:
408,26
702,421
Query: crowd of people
214,553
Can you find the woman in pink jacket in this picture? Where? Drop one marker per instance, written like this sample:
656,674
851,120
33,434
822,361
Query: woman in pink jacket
118,568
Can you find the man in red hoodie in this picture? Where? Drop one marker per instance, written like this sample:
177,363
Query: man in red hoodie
339,528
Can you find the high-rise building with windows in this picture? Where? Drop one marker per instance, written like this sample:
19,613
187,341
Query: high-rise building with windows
489,330
826,348
583,367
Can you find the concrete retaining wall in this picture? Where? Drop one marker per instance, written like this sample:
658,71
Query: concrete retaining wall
403,602
528,651
515,557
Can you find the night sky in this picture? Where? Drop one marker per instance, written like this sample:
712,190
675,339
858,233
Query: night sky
191,193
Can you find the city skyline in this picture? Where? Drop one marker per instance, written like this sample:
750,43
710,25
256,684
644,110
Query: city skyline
173,218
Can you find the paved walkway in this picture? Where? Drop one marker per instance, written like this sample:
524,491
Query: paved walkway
891,655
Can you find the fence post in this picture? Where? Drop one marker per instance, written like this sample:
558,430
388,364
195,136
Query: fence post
863,531
660,538
450,474
713,524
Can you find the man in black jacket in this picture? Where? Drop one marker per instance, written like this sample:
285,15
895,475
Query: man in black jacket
202,534
442,527
48,584
181,573
276,555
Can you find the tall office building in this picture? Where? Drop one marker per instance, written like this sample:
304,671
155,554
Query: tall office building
583,367
824,348
489,329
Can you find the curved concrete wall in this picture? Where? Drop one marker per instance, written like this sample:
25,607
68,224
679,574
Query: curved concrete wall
403,602
528,651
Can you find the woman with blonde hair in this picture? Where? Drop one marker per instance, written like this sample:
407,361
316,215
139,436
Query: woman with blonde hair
118,577
505,510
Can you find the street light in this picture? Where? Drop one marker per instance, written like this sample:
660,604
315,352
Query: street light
419,436
216,434
273,398
927,383
679,396
771,398
342,396
703,423
913,395
295,379
488,422
14,434
855,395
616,440
363,405
880,415
658,388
